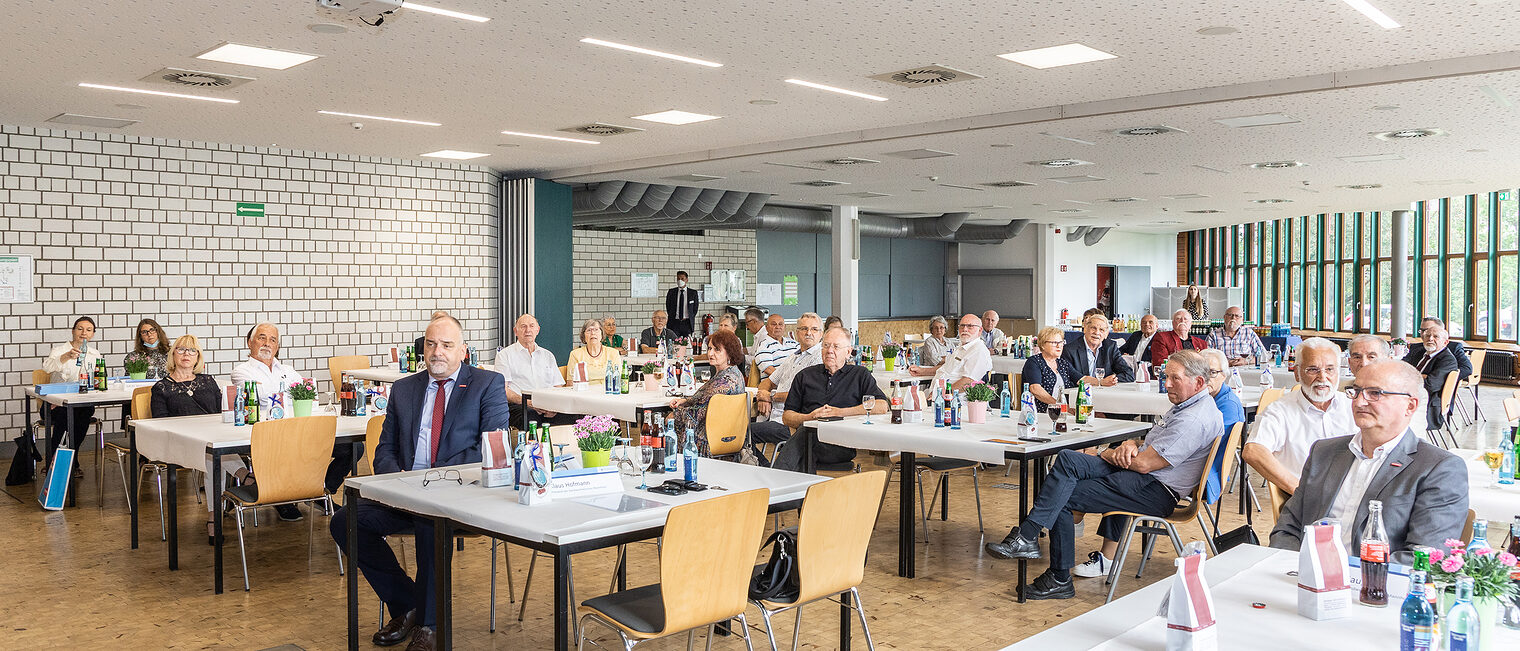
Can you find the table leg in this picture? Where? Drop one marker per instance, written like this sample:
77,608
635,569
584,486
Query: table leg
1023,513
622,573
351,569
944,497
443,581
132,487
215,498
562,610
68,435
173,503
906,516
844,621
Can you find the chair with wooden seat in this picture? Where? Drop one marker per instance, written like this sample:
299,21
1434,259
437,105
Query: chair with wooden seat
941,467
834,529
727,425
1467,527
1471,383
1268,396
290,458
705,569
1511,410
1157,525
140,410
1448,397
752,379
337,366
1279,498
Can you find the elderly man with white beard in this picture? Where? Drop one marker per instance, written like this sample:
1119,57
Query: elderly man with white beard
1283,433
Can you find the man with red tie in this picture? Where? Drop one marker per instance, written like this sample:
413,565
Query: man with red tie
434,420
1166,343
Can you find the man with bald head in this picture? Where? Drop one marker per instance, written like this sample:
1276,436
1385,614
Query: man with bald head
1166,343
526,366
650,338
775,348
968,363
832,388
1434,360
1422,487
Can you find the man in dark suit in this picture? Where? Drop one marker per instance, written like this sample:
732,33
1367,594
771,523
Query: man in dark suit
1458,351
1422,487
1139,343
681,306
1095,351
434,420
1435,360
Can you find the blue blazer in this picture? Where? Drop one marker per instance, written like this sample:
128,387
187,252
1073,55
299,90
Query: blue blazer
478,404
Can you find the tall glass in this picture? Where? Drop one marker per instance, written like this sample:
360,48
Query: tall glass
646,454
869,402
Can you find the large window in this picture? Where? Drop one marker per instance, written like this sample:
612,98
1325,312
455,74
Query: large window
1334,272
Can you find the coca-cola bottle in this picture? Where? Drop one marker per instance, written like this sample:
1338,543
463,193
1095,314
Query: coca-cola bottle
1374,553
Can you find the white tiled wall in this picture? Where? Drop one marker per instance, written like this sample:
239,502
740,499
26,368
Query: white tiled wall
605,260
353,255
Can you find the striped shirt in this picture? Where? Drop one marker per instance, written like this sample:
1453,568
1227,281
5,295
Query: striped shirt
1245,342
773,352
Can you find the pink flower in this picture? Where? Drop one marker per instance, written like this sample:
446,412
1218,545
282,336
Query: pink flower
1507,559
1455,544
1451,564
1483,551
1436,555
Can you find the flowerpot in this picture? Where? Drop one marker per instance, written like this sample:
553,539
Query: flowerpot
976,411
596,458
891,363
138,376
683,351
652,382
302,408
1488,615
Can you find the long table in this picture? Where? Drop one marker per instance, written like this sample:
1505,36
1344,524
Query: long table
389,374
1147,399
1497,504
559,528
184,442
118,395
970,442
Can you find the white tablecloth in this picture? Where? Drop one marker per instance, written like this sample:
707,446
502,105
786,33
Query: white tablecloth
1497,504
1007,365
182,441
969,442
884,379
121,393
567,521
1145,399
389,374
1282,378
593,400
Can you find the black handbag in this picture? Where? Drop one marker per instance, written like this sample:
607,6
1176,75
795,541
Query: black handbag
777,580
1236,537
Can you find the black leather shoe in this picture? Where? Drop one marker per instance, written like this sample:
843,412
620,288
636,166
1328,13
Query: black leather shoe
422,640
1014,546
1045,586
397,630
288,512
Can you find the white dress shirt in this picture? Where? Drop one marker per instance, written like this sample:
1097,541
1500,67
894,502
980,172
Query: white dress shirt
269,376
61,371
422,459
969,360
1354,486
782,378
1292,425
526,370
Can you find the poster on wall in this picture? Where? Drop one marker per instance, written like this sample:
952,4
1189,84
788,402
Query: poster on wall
727,285
788,290
768,294
645,284
15,279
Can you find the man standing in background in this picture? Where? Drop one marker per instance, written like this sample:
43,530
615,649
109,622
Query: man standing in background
681,305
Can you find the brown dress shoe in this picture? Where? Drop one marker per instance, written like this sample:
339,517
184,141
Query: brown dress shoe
396,631
422,640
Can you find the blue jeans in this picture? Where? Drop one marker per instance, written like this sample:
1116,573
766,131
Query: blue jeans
1083,482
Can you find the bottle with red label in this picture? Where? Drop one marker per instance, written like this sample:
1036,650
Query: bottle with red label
1374,554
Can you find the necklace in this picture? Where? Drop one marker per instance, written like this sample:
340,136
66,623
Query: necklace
600,350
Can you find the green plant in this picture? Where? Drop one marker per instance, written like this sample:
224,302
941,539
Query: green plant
1489,569
980,392
137,366
303,390
650,367
596,433
890,350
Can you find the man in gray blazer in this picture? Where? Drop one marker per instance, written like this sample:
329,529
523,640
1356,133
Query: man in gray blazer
1422,487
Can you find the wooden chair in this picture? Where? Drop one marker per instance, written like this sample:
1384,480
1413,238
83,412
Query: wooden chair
564,372
1511,410
338,365
943,466
1471,383
727,424
1156,525
705,568
833,530
1448,397
1467,527
290,458
372,429
753,377
1279,498
1268,396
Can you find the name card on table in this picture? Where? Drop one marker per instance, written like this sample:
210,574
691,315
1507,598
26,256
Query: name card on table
583,482
56,387
579,377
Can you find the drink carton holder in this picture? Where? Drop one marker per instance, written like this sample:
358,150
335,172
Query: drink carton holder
496,469
913,405
1190,608
533,465
56,387
578,377
1324,591
56,488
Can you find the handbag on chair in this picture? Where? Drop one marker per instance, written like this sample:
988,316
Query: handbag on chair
776,581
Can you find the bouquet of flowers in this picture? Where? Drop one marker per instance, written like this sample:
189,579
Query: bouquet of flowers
890,350
596,433
980,392
1488,568
649,368
303,390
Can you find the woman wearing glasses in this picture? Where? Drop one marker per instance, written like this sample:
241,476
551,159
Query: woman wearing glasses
1048,374
937,348
151,346
187,390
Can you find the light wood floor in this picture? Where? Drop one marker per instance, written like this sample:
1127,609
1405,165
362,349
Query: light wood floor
70,580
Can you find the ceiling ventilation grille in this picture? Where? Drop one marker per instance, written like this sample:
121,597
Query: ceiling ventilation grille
1156,130
925,76
196,79
1271,201
848,160
1124,200
1059,163
821,183
1277,165
1008,184
1408,134
602,129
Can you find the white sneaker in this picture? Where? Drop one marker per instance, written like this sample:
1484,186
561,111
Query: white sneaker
1095,566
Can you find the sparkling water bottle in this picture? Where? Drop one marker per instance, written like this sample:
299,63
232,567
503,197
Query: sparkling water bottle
1006,400
689,455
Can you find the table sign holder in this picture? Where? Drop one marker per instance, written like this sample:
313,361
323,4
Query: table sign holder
1190,606
496,468
533,473
578,377
56,488
913,405
56,387
1323,589
583,482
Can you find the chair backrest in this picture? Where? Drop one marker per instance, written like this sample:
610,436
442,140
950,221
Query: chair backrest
1467,528
1511,409
1196,502
753,379
1279,498
1477,366
1268,396
1448,391
727,423
708,557
372,439
142,403
40,376
290,456
1227,452
833,531
564,372
337,365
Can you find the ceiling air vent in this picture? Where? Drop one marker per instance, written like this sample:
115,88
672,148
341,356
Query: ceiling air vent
1408,134
917,154
1059,162
1147,131
1008,184
1363,186
925,76
602,129
1086,178
693,178
1123,200
197,79
1277,165
1271,201
91,121
821,183
866,195
1204,212
848,160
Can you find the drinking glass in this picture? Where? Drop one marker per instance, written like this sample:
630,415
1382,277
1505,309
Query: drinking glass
646,453
1100,373
1494,459
869,402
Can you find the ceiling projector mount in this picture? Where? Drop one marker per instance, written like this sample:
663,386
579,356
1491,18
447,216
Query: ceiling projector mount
370,12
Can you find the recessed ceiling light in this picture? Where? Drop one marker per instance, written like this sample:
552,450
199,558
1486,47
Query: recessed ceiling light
1373,13
1210,169
676,117
1077,179
764,102
327,28
445,12
1147,131
848,160
160,93
138,107
1370,158
1150,173
1276,165
832,89
653,53
376,117
92,121
919,154
800,167
1470,151
453,154
1123,200
1209,211
1444,182
1069,211
1085,203
249,55
1167,221
507,144
1003,144
1008,184
821,183
694,178
1217,31
1363,186
1187,196
1386,107
1408,134
1271,201
1058,163
866,195
1262,120
1060,55
544,137
960,187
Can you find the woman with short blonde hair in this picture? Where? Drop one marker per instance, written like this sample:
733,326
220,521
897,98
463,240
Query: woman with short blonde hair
186,390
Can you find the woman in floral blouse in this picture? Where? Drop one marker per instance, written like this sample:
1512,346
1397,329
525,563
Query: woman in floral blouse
723,351
151,347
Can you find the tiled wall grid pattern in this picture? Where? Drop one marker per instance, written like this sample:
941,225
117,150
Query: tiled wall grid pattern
353,255
605,261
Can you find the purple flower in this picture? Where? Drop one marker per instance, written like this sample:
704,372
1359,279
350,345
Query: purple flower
1451,564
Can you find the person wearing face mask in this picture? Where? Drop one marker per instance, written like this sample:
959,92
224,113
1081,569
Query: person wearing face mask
150,347
1286,430
968,364
63,364
681,305
264,368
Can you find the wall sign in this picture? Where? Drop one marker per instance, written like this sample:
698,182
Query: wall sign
15,279
788,290
250,209
644,284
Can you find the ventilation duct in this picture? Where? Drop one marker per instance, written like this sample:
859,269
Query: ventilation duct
1095,234
1077,233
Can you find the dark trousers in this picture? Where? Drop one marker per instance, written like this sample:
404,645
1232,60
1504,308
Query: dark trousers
767,431
60,422
1083,482
559,419
377,560
342,462
682,327
806,438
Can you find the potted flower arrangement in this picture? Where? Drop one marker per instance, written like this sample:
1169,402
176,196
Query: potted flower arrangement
977,397
683,347
595,436
303,395
889,355
137,369
1400,348
652,376
1490,571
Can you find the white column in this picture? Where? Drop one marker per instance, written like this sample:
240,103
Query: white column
1400,274
845,229
1046,266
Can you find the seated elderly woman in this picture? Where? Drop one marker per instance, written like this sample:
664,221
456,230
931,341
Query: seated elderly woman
595,355
730,323
691,413
610,337
936,347
1048,374
187,390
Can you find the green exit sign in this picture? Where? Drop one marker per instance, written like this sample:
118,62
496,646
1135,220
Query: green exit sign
1504,196
250,209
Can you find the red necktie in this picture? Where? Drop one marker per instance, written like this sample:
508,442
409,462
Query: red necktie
438,402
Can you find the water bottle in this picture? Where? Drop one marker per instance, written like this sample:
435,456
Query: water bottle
1266,376
609,382
361,399
939,408
1507,454
1031,417
672,457
1462,623
238,415
1006,400
689,455
955,410
1479,537
1161,378
277,403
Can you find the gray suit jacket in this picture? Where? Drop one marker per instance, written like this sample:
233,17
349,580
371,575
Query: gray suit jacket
1423,489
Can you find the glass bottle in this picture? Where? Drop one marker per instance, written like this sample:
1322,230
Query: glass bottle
1374,555
1416,618
1463,627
